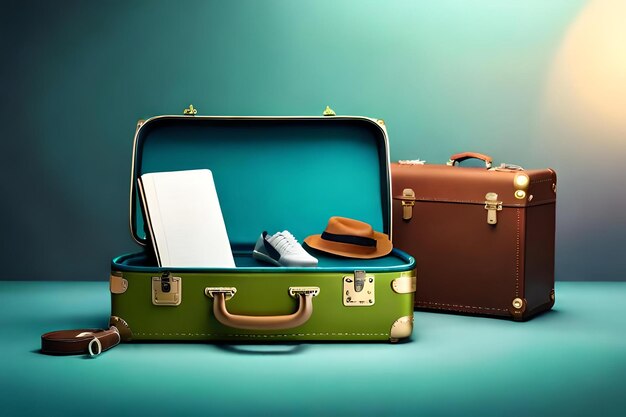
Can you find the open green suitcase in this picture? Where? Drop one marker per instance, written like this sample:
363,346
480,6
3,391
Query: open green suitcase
271,173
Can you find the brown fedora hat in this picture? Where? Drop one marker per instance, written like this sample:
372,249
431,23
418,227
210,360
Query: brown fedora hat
350,238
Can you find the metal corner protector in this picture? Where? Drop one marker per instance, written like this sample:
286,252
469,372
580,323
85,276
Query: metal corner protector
406,283
117,283
401,329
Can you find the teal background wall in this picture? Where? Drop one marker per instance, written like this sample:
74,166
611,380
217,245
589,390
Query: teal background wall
533,82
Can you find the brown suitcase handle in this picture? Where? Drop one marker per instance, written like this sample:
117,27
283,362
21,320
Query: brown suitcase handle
460,157
289,321
79,341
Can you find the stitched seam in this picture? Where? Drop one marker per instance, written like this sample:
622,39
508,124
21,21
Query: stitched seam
442,200
517,255
260,335
427,199
444,306
543,180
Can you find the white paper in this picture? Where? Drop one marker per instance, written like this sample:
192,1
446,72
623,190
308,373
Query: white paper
185,219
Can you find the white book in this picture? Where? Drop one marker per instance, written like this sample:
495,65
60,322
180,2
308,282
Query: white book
185,219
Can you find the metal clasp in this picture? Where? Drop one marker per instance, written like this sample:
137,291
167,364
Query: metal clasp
167,290
359,290
408,201
493,206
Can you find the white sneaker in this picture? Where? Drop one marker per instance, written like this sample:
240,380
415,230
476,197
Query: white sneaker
282,249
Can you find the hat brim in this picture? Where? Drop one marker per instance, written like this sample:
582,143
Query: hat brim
382,248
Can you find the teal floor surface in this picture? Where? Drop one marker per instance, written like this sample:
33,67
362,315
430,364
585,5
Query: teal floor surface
568,362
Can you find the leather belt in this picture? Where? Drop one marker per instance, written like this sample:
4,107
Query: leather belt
77,341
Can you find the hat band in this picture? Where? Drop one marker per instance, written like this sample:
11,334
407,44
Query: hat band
353,240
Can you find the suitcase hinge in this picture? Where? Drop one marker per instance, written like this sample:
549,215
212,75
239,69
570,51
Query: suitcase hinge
493,206
408,201
358,290
140,123
329,112
190,111
167,290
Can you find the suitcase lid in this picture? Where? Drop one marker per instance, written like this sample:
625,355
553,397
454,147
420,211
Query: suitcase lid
470,185
273,173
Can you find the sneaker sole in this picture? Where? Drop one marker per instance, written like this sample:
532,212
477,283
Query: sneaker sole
263,257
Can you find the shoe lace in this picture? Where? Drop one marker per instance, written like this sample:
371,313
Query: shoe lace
287,243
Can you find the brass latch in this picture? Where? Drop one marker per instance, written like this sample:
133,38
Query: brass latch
358,290
167,290
493,206
190,111
408,201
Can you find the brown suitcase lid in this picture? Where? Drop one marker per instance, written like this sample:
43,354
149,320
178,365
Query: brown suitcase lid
469,185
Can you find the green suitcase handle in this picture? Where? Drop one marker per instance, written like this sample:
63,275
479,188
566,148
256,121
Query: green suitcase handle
302,315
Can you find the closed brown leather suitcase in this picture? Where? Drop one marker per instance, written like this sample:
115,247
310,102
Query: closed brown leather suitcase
482,238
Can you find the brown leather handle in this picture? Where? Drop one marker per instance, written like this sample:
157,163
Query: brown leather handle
463,156
79,341
304,312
